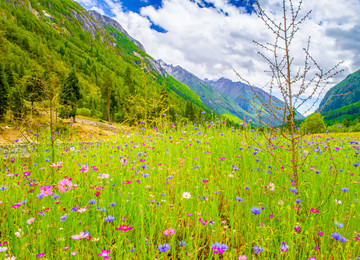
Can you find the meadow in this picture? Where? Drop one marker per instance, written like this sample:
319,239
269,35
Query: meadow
182,192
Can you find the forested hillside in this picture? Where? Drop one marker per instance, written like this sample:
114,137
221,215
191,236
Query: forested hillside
46,43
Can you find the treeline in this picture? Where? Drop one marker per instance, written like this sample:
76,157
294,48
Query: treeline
39,56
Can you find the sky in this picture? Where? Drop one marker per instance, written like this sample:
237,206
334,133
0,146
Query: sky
212,38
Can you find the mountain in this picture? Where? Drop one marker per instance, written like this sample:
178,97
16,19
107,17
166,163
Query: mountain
343,100
44,40
211,97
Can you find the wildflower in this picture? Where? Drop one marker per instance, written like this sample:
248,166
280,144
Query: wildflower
258,249
92,201
3,249
182,243
219,248
203,222
103,176
186,195
164,247
3,187
239,199
294,190
54,197
169,231
314,210
320,233
109,218
339,225
30,221
271,187
357,237
124,228
63,218
58,165
312,258
242,257
105,254
345,189
16,205
80,236
255,210
64,185
297,228
298,201
84,168
40,255
271,216
11,258
284,247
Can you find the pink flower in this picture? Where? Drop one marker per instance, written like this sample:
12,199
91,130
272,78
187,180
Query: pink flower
58,165
320,233
314,210
84,168
40,255
97,193
203,222
312,258
30,221
46,190
126,182
80,236
16,205
242,257
124,228
64,185
169,231
297,229
271,216
105,253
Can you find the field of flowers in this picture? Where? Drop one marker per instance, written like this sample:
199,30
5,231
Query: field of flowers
197,192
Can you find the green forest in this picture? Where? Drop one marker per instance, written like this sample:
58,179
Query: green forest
45,53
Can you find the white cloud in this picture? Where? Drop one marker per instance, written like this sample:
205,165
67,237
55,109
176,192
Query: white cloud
210,44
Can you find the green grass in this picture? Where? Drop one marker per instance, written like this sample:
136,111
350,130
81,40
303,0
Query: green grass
219,164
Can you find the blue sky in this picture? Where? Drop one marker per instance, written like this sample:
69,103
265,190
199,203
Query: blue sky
211,38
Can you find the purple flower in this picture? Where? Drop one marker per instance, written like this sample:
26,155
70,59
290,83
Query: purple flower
109,218
258,249
345,189
113,204
182,243
164,247
255,210
339,225
239,199
92,201
284,247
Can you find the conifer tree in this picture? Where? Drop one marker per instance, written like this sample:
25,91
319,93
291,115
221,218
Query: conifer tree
69,95
4,93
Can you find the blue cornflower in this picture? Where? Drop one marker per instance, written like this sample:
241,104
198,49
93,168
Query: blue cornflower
239,199
146,175
294,190
63,218
92,201
219,248
55,196
298,200
47,160
112,204
182,243
109,218
40,196
169,177
356,164
3,187
255,210
24,201
339,225
103,210
258,249
345,189
132,250
164,247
